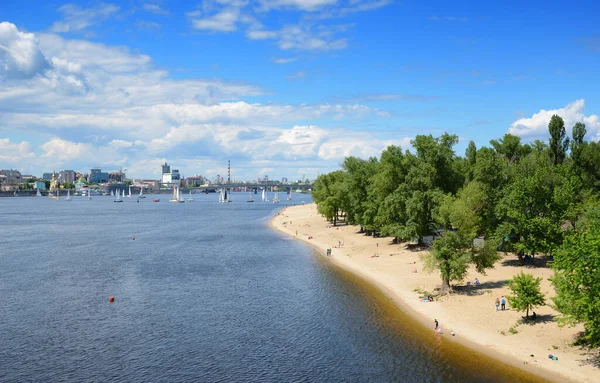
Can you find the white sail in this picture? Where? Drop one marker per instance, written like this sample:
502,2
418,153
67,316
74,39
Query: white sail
289,195
129,195
68,195
263,195
276,198
189,199
112,193
38,194
57,193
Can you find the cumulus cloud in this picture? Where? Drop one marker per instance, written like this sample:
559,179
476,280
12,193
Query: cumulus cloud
101,105
536,126
13,153
20,55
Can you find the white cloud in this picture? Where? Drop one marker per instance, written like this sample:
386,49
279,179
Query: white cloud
155,8
63,150
536,126
13,153
20,55
77,18
283,60
224,21
101,105
305,5
230,15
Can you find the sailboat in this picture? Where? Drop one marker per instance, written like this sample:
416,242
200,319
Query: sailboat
129,195
250,197
289,197
189,199
263,198
68,195
176,195
276,198
57,193
89,193
38,194
112,193
222,196
118,196
141,193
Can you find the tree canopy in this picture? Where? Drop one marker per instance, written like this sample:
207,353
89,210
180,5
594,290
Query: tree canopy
536,198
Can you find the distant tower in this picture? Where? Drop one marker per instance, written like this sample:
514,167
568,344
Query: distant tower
228,171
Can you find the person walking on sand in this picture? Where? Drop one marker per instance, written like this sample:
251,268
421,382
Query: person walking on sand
497,303
436,324
503,303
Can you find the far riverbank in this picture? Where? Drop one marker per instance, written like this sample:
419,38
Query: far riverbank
470,314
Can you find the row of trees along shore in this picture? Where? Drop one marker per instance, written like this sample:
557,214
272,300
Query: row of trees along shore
536,199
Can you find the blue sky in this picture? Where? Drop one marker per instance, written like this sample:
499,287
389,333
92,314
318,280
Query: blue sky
282,87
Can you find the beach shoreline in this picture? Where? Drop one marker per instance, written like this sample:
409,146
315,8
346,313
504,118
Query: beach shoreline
391,269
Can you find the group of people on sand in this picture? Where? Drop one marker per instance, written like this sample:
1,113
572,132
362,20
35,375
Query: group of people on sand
500,303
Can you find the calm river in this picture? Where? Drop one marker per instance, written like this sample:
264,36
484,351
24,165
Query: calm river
206,292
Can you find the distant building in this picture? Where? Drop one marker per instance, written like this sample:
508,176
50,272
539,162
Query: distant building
11,178
284,180
98,176
169,176
195,181
66,176
39,185
118,176
47,176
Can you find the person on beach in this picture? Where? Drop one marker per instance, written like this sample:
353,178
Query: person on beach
436,324
497,304
503,303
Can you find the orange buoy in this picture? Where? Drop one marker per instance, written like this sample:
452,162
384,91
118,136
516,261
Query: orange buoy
111,299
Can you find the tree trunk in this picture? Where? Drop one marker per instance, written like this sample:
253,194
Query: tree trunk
527,313
445,283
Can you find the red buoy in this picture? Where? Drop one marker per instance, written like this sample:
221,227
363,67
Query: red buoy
133,238
111,299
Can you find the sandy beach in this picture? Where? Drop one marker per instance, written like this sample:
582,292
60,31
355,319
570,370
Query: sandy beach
470,313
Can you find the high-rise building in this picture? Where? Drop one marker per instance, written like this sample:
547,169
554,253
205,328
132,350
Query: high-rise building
66,176
166,168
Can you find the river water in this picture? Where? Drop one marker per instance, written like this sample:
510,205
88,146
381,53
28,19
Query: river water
206,292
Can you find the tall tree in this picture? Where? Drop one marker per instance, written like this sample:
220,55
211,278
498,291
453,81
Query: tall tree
577,143
471,155
559,142
526,294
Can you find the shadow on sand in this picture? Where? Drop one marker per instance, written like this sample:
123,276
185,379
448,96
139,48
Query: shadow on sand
472,290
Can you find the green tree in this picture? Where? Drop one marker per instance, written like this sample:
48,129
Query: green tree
577,279
526,294
471,156
454,251
577,144
559,142
510,147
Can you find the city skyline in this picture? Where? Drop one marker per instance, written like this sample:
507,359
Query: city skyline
282,87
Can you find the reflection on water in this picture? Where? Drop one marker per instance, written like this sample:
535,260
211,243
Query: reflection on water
206,292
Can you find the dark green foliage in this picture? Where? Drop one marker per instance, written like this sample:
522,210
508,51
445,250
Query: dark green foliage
559,142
